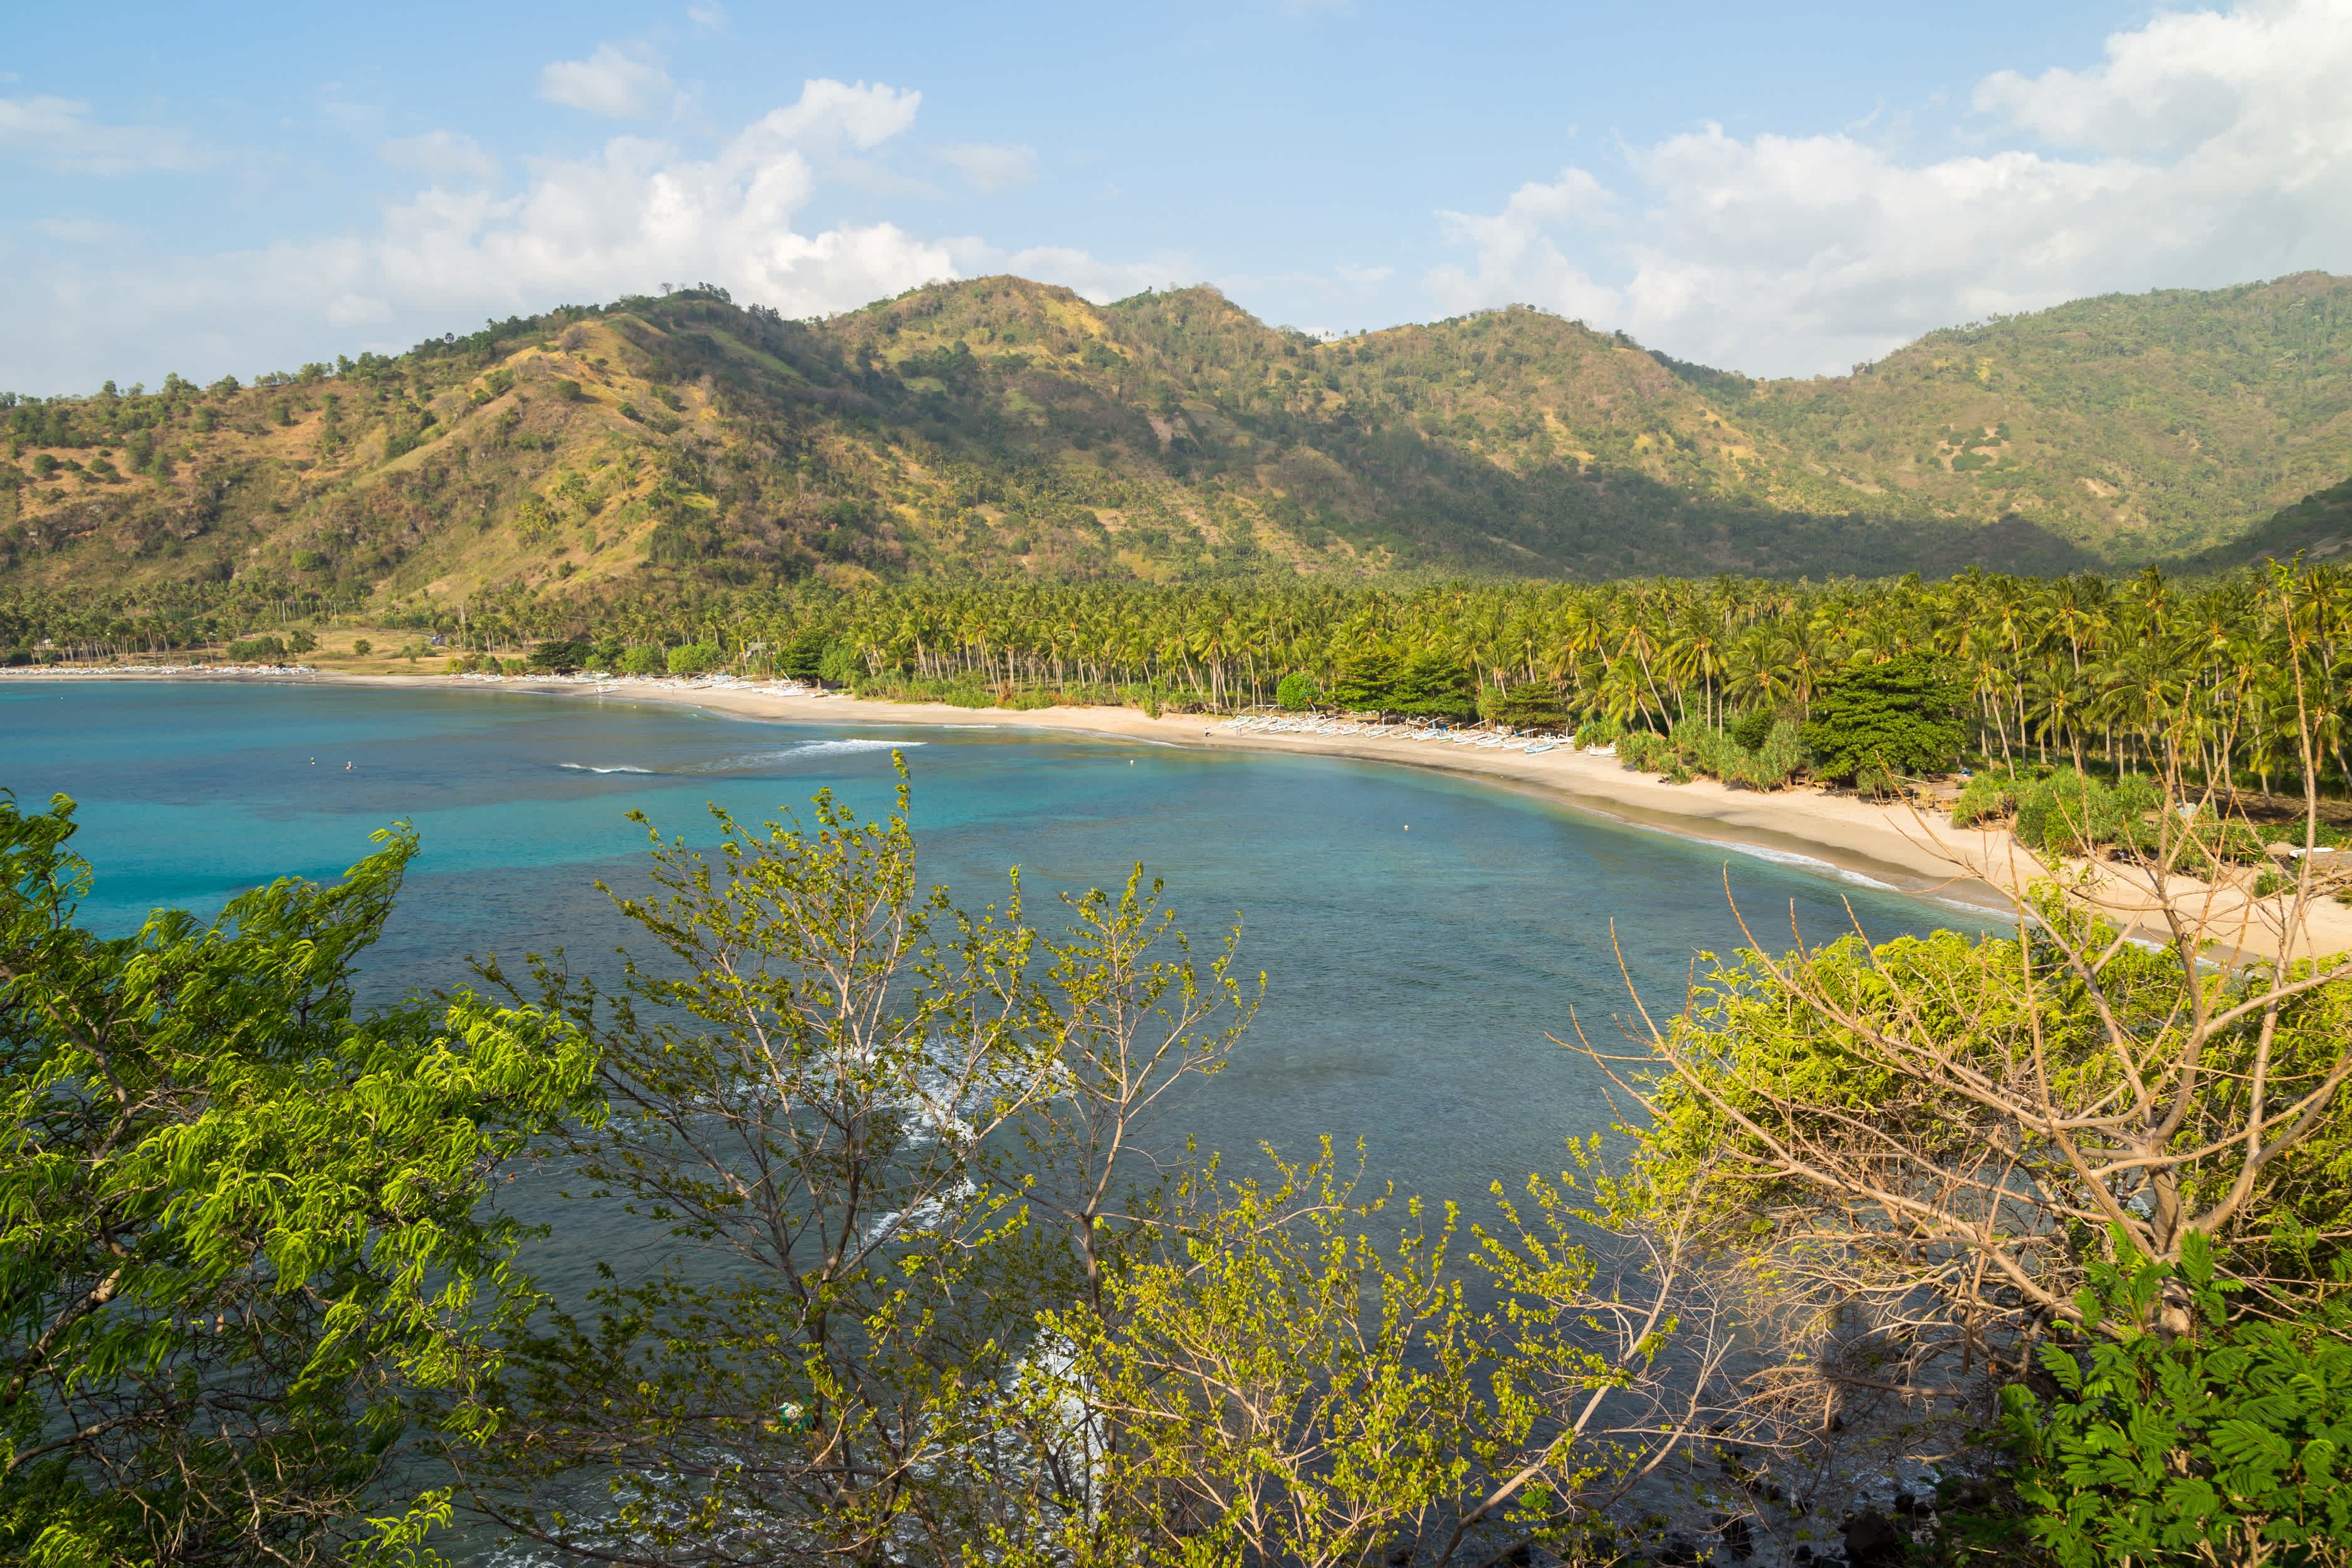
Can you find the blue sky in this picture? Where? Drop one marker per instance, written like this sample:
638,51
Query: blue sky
1782,190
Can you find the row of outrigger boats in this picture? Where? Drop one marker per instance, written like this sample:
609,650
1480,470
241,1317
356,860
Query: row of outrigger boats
1435,734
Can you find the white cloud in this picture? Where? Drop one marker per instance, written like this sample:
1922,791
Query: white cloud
2205,148
709,17
619,221
59,136
612,82
1515,247
440,155
830,112
993,166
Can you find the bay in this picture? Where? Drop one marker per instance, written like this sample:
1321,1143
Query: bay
1421,934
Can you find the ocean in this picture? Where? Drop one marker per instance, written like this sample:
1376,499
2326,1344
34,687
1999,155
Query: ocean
1421,934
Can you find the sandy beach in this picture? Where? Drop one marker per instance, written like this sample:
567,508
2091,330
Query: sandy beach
1905,847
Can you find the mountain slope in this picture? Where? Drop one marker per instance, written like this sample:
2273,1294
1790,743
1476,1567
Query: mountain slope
2318,528
1001,427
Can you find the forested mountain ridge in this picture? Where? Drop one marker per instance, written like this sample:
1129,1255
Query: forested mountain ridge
1005,428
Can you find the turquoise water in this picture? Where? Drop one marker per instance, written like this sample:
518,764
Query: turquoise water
1414,974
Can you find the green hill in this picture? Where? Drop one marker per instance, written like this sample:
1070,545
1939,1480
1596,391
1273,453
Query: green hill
1003,427
2318,528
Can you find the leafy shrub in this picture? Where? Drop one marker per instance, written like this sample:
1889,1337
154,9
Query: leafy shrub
1643,752
1989,794
2068,813
1599,732
1777,760
1769,763
841,663
642,661
257,650
2229,1443
1296,691
693,658
1899,718
1749,730
361,646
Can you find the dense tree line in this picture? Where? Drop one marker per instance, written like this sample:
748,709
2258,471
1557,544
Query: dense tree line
2082,669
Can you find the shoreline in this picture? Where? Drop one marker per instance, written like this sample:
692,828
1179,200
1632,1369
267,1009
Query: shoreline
1899,848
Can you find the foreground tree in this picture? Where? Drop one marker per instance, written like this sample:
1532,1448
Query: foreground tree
945,1275
242,1229
1934,1148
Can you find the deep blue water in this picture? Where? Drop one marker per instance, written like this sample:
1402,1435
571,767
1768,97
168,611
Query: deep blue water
1414,973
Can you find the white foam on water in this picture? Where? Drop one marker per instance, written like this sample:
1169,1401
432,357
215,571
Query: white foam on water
1802,862
746,761
823,748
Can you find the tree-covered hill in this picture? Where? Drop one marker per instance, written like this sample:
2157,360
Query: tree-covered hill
999,427
2318,528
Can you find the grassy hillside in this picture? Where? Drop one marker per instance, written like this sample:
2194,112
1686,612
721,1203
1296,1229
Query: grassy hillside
2140,428
999,427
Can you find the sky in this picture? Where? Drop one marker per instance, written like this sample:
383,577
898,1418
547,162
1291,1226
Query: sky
1776,189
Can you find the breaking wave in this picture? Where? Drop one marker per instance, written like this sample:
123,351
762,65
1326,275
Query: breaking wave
750,762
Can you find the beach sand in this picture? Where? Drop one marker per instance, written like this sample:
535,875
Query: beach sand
1905,847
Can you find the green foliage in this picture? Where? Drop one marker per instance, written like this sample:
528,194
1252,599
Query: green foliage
694,659
2066,812
2229,1443
242,1227
1528,705
840,663
934,434
1432,684
1296,691
361,646
1989,795
1749,730
803,659
1901,717
1599,732
560,658
1644,752
642,660
1695,745
265,649
1366,682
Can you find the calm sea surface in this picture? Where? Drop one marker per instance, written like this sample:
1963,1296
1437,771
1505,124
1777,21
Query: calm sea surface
1414,974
